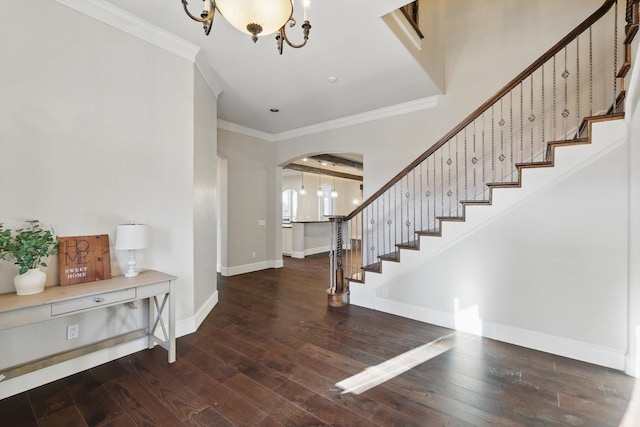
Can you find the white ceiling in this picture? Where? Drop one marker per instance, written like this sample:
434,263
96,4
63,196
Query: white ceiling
348,40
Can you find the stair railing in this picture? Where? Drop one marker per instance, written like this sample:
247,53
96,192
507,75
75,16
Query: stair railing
578,77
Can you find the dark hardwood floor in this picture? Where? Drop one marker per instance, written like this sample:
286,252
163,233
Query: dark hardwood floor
271,353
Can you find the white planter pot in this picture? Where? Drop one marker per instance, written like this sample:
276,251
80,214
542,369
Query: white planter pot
31,282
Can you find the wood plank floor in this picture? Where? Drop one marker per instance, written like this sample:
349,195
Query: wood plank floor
271,353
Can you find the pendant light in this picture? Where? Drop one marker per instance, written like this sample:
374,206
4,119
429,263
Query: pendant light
319,193
302,191
334,193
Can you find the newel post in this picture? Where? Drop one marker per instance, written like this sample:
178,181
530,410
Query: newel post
338,292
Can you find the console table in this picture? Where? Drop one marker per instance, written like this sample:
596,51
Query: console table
58,301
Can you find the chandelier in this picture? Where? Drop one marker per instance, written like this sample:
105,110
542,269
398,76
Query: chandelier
254,17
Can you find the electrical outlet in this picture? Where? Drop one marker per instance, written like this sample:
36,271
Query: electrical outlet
253,254
73,331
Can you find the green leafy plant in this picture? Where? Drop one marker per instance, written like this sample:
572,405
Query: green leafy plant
5,239
26,246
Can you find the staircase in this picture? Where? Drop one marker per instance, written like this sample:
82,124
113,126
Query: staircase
553,103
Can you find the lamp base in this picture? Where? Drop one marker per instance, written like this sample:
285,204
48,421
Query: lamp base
131,263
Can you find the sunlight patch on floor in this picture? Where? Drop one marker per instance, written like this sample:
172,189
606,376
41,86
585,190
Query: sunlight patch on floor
385,371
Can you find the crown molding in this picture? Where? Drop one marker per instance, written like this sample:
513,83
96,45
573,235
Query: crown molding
137,27
247,131
369,116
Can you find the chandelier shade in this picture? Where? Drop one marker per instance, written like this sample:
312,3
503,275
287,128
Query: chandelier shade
256,17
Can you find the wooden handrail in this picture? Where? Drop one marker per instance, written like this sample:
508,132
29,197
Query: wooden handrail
491,101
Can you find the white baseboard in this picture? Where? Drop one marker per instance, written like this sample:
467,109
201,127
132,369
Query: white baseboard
632,366
578,350
191,324
249,268
310,251
46,375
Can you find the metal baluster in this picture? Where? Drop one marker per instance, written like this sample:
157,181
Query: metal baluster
413,193
532,118
389,220
521,124
384,244
434,193
578,118
427,193
615,60
401,214
457,181
484,180
449,192
421,207
474,160
377,245
565,76
441,182
371,242
555,112
501,123
466,182
395,213
590,71
493,145
543,112
512,161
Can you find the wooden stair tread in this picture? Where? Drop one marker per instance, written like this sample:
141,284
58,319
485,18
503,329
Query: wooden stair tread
376,267
392,256
476,202
429,233
503,184
412,245
529,165
451,218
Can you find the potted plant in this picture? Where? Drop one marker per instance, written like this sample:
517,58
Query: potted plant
26,247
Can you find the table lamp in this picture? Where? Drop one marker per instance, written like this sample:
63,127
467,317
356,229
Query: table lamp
130,237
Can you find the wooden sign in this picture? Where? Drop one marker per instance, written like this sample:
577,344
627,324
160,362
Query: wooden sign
84,259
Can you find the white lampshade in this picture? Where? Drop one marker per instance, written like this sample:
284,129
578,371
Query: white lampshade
271,15
132,236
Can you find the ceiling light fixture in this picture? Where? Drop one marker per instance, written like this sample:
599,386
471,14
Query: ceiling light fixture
254,17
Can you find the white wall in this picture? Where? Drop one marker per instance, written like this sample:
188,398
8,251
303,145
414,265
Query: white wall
251,180
91,135
633,117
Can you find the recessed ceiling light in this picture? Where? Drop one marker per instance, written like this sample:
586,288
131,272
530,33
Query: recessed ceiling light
274,110
324,163
305,159
333,79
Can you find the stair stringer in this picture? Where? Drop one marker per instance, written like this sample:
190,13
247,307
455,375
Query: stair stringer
605,137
